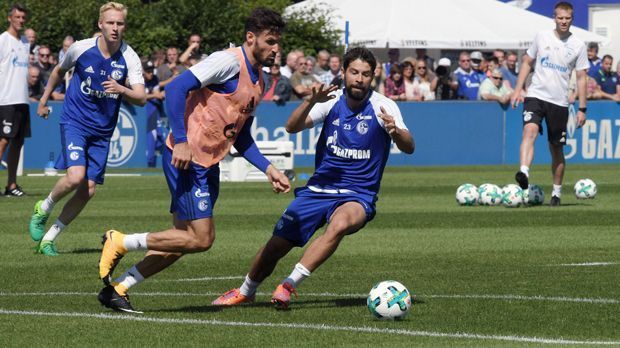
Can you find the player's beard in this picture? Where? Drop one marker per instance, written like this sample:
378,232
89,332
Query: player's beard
357,93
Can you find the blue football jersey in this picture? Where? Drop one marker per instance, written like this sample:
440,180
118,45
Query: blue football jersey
353,146
87,106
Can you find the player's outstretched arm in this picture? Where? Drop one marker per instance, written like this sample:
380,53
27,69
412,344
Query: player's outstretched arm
299,120
279,182
55,77
401,137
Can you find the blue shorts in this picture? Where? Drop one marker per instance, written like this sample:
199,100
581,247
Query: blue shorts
194,191
310,210
79,149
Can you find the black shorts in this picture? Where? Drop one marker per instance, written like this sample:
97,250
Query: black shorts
556,117
15,121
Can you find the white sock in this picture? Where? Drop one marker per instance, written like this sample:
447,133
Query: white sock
54,231
298,275
525,170
136,241
557,190
130,278
48,204
248,288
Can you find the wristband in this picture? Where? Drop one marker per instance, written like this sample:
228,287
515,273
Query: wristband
583,110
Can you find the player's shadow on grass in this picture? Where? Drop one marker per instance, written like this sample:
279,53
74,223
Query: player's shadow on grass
83,251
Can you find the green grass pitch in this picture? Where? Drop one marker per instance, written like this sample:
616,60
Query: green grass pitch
490,276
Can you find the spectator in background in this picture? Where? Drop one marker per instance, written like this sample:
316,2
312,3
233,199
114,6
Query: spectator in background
66,43
154,114
445,87
277,87
31,36
466,81
500,55
593,59
378,82
303,80
291,63
333,75
493,88
58,94
421,55
43,63
476,65
412,93
35,86
192,53
158,58
322,63
171,68
310,63
395,85
427,83
607,80
492,64
393,58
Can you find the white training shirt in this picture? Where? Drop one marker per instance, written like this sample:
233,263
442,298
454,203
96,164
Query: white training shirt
14,56
555,60
217,68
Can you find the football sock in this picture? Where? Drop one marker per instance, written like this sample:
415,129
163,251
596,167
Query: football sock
298,275
127,280
54,231
525,170
48,204
248,288
557,190
136,241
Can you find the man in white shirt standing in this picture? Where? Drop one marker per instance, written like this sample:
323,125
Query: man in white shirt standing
14,109
556,54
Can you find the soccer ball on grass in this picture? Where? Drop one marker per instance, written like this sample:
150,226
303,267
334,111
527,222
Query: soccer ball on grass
389,300
490,194
467,194
512,196
585,189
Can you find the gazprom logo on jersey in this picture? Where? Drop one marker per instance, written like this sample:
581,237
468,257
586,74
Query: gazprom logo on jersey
545,63
86,89
599,140
124,139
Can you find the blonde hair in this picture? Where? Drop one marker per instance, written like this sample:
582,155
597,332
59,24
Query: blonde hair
112,6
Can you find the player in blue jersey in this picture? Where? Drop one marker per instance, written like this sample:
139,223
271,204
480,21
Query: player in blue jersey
103,68
359,126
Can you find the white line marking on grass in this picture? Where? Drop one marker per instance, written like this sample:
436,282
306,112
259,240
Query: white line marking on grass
320,327
328,294
199,279
587,264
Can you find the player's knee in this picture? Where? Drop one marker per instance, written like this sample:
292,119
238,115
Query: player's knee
201,243
74,180
339,228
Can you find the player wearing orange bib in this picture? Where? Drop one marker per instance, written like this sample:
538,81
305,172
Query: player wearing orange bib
210,108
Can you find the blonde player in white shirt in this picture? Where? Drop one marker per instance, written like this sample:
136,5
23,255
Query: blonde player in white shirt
556,53
14,103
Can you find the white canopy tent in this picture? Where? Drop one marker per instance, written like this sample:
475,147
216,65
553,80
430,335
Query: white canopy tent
438,24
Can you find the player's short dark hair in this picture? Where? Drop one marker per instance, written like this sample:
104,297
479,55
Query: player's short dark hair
593,45
607,56
17,7
361,53
564,5
261,19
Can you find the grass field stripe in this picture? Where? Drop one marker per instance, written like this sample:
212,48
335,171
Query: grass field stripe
327,294
587,264
320,327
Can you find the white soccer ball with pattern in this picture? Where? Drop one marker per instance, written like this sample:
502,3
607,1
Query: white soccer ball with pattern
585,189
512,196
489,194
535,196
467,194
389,300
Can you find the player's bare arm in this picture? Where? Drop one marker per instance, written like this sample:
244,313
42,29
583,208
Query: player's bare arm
135,95
299,120
526,67
278,181
55,76
401,137
581,92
